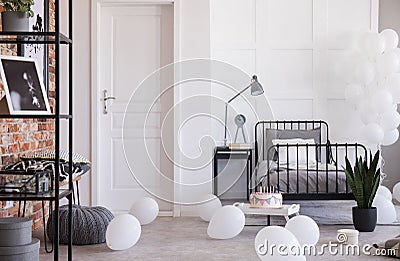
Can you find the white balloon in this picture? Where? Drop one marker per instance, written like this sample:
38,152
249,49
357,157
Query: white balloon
395,92
364,73
350,61
385,208
390,120
123,232
373,133
373,44
304,228
275,235
353,93
367,113
393,81
207,209
382,101
226,223
397,52
396,192
393,86
385,192
391,39
388,64
390,137
145,210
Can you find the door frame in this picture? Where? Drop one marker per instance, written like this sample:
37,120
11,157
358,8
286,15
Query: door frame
95,98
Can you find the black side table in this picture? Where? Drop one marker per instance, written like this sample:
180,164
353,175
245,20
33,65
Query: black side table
222,152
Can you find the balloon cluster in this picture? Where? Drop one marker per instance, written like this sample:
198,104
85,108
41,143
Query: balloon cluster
124,231
373,85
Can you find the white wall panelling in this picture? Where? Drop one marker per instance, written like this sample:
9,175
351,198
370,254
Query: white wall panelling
295,47
296,50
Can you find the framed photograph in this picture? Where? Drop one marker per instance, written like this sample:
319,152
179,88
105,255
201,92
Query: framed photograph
23,86
40,52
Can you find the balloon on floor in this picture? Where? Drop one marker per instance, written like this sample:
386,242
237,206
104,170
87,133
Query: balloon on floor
385,192
226,223
210,204
304,228
123,232
269,238
385,210
145,210
396,192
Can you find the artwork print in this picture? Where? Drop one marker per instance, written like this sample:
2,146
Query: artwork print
24,90
39,52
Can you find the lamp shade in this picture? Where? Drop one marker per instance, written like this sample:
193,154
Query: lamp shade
256,88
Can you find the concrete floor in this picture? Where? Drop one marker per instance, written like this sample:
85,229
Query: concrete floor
186,239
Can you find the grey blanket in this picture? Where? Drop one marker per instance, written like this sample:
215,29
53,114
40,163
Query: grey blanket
392,245
298,179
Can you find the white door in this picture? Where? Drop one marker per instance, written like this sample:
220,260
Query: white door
133,42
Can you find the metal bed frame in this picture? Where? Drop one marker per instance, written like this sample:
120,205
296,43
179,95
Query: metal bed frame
333,154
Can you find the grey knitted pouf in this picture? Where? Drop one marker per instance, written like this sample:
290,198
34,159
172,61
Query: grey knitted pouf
89,225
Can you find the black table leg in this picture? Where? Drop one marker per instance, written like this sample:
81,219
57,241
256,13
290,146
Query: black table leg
251,174
215,184
248,172
19,208
44,226
77,193
23,210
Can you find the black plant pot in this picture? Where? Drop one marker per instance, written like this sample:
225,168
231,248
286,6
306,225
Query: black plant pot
364,219
15,21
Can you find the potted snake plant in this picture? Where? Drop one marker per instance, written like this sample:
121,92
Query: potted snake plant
15,17
364,181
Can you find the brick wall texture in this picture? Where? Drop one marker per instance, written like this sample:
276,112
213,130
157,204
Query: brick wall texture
20,137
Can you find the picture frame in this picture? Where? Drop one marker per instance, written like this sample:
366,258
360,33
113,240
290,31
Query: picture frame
40,52
23,86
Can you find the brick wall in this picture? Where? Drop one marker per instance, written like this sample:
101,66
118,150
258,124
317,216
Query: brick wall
20,137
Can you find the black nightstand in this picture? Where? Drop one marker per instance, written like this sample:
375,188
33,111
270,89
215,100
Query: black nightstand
222,152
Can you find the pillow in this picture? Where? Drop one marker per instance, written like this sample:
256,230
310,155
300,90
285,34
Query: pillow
78,168
64,155
271,134
296,155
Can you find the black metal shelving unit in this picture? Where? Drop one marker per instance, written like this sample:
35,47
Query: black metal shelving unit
57,39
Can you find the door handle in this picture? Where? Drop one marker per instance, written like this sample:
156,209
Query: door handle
105,99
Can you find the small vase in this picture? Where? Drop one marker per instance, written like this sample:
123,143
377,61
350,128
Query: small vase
364,219
15,21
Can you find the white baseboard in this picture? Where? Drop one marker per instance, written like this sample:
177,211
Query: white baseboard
162,213
166,213
189,211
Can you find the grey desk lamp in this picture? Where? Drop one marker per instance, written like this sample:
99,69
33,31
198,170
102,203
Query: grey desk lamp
256,89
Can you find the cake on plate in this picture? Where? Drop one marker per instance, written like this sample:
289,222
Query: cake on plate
265,200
